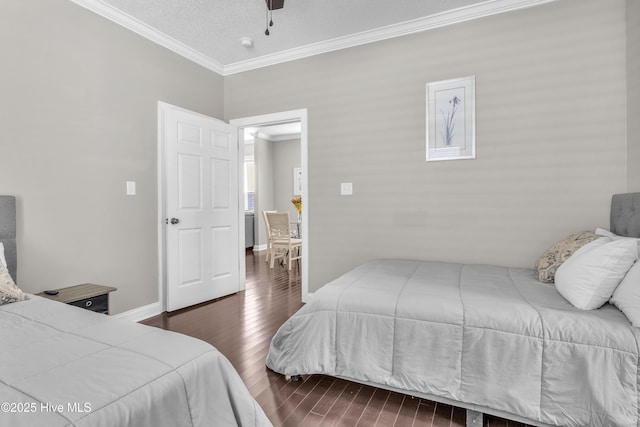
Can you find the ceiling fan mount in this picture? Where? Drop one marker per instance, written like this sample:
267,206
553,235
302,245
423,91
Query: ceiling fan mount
274,4
271,6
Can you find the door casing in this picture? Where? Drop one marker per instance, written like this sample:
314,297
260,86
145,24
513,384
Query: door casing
270,119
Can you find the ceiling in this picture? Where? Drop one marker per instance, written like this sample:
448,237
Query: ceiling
209,31
275,132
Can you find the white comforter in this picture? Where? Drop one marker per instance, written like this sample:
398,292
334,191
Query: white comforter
488,337
66,366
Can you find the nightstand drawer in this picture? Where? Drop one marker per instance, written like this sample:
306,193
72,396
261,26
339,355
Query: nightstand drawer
98,303
88,296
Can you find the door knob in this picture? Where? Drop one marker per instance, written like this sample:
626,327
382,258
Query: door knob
174,221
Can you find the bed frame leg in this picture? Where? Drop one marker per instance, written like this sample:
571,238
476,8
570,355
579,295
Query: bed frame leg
474,418
296,377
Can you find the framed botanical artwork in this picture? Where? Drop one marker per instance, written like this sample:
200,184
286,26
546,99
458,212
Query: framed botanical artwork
451,119
297,181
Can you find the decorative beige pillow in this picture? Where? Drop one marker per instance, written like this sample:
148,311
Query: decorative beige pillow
553,257
9,292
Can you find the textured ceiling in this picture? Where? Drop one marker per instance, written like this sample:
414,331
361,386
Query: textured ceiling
213,28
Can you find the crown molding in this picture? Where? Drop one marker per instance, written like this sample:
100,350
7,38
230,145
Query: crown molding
119,17
463,14
275,138
455,16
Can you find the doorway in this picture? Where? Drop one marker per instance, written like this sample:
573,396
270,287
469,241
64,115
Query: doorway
262,122
272,156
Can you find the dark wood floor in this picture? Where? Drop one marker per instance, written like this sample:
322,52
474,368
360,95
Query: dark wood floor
241,327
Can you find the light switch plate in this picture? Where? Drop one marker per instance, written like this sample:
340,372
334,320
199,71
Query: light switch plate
131,188
346,189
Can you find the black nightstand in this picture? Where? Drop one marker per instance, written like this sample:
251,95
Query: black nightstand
89,296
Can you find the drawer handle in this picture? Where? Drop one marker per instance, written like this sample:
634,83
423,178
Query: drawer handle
88,303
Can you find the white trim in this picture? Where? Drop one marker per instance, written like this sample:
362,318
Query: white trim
242,263
275,138
450,17
140,313
146,311
129,22
288,116
162,268
258,248
455,16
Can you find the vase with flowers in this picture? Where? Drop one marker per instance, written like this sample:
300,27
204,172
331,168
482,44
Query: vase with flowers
297,202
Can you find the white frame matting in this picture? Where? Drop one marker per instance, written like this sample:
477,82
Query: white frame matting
451,119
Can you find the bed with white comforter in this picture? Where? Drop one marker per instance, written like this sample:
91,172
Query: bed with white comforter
62,365
65,366
491,339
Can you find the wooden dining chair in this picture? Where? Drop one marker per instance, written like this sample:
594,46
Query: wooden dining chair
282,244
266,224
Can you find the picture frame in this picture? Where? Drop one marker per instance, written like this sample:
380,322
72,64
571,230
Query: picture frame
451,119
297,181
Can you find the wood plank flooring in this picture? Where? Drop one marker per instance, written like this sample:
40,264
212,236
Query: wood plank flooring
241,327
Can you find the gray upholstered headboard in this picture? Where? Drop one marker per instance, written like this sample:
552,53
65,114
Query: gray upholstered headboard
625,214
8,233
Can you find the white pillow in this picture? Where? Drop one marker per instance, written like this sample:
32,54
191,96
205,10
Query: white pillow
589,277
627,295
613,236
2,259
606,233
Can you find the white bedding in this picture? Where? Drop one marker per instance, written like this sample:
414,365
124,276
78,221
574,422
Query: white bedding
493,339
66,366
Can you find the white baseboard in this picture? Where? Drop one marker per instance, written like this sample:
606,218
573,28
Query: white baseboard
140,313
258,248
153,309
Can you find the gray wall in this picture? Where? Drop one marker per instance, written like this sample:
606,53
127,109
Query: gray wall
263,152
275,161
633,94
551,137
286,156
79,118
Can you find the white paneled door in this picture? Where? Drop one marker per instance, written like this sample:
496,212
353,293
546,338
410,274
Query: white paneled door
202,209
